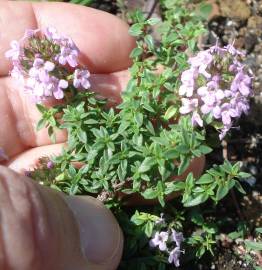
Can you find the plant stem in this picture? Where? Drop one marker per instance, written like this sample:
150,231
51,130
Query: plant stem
150,13
232,192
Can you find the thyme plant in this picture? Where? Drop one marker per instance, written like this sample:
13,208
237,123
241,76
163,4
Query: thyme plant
140,146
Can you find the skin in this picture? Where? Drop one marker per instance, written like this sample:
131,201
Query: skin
92,32
40,228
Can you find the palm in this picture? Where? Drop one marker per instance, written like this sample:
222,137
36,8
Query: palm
18,115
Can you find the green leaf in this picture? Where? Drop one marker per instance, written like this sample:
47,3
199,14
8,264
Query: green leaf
259,230
231,183
150,42
161,266
73,189
205,10
136,29
160,193
244,175
171,154
235,235
205,149
159,140
138,219
52,121
122,170
185,161
149,229
91,122
96,132
136,52
41,108
80,2
171,111
148,108
197,200
239,187
253,245
41,124
146,165
174,186
149,193
137,139
153,21
205,179
123,126
51,134
191,44
221,192
139,119
81,134
150,128
227,167
183,149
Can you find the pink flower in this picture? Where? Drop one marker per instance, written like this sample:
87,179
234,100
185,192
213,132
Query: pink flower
58,92
41,69
177,237
81,79
202,91
232,50
159,240
15,52
50,165
188,82
209,89
188,105
17,73
202,61
196,119
52,34
68,55
174,256
30,33
217,112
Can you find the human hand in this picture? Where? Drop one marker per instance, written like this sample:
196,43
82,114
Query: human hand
105,46
40,228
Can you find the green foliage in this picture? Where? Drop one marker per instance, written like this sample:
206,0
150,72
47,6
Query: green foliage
214,184
82,2
139,147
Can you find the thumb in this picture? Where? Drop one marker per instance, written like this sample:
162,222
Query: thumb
28,159
43,229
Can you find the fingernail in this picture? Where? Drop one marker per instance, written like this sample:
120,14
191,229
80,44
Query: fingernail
101,236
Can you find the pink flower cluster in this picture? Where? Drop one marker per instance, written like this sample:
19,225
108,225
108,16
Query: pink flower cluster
47,64
216,86
161,239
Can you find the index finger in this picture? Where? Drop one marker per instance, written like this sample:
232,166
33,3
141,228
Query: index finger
102,38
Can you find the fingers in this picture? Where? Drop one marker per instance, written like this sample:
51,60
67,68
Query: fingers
19,116
102,38
42,229
28,160
110,85
90,29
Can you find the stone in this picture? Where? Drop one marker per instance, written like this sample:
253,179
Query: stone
250,41
254,22
237,9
